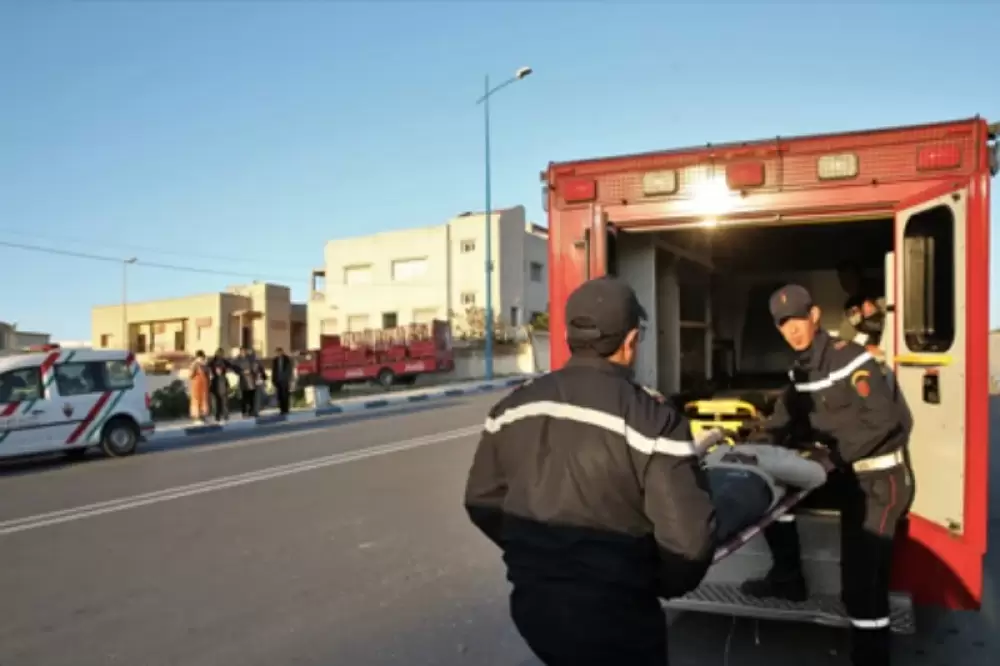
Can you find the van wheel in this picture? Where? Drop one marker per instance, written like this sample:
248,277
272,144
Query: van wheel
386,377
120,438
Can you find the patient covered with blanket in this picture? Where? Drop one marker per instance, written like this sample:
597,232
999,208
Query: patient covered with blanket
747,481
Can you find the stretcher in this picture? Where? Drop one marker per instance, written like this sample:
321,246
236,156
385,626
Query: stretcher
730,415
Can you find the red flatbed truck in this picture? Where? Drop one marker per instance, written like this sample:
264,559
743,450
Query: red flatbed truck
705,234
388,356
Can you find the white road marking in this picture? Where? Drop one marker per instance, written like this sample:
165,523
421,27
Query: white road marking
124,503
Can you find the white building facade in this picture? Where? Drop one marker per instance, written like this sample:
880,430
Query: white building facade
12,338
416,275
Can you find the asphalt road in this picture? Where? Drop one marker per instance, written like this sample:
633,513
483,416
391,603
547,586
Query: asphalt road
342,543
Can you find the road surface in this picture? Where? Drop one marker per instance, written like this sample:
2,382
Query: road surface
341,543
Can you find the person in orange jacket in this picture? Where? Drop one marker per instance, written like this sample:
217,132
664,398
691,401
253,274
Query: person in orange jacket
199,387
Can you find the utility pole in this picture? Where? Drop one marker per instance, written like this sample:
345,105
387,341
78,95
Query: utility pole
126,338
488,323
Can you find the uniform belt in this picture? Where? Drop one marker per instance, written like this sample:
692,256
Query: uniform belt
880,463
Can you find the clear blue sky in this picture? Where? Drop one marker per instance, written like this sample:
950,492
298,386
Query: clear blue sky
255,131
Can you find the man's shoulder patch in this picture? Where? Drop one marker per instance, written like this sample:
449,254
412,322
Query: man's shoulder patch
860,381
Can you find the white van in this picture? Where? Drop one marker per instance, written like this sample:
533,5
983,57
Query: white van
55,400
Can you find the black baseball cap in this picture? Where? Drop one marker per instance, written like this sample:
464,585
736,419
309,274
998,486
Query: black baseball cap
792,301
602,310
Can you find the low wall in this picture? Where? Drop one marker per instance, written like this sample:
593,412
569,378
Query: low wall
508,359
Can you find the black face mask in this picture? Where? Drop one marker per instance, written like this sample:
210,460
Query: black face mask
872,325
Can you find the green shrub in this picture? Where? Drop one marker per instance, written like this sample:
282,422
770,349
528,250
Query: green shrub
173,401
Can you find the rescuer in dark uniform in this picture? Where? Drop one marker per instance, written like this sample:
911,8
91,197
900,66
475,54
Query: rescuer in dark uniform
840,398
863,311
590,485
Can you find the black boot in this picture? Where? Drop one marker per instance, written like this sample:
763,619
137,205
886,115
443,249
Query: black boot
788,586
785,579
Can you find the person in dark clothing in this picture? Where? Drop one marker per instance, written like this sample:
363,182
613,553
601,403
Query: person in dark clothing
281,377
591,486
864,311
252,377
218,366
747,481
841,399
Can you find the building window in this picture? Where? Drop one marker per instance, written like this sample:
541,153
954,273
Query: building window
357,323
468,298
328,327
105,341
513,316
535,270
408,269
468,246
358,274
389,320
179,340
929,280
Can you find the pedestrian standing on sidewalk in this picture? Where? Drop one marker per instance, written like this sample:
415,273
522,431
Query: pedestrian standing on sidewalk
218,367
251,378
281,377
199,380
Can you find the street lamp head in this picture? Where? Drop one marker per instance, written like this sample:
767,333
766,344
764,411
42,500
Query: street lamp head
522,72
131,260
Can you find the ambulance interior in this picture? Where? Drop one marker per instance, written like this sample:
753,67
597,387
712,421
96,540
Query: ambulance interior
706,290
710,334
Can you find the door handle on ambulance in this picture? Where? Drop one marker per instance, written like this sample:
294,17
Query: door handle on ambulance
36,412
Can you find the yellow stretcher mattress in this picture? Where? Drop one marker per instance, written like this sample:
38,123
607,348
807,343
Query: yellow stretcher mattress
726,413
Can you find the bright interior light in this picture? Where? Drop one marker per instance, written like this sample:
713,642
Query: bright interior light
711,196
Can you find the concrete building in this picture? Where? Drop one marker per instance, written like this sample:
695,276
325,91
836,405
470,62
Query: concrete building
259,315
12,338
416,275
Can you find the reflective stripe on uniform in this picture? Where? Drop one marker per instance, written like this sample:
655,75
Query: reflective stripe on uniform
837,375
786,518
877,623
879,463
609,422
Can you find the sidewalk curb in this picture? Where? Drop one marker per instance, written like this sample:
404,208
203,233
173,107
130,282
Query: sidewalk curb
358,406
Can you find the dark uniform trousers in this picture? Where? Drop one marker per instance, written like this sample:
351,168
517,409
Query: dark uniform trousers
569,625
872,505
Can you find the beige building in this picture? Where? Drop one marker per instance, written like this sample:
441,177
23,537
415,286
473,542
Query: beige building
12,338
415,275
258,315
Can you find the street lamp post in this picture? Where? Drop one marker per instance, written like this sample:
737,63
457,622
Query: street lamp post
488,319
125,336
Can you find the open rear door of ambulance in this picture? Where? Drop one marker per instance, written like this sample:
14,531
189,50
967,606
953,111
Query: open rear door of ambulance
939,559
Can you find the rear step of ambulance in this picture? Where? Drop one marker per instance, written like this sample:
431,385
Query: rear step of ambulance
820,537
